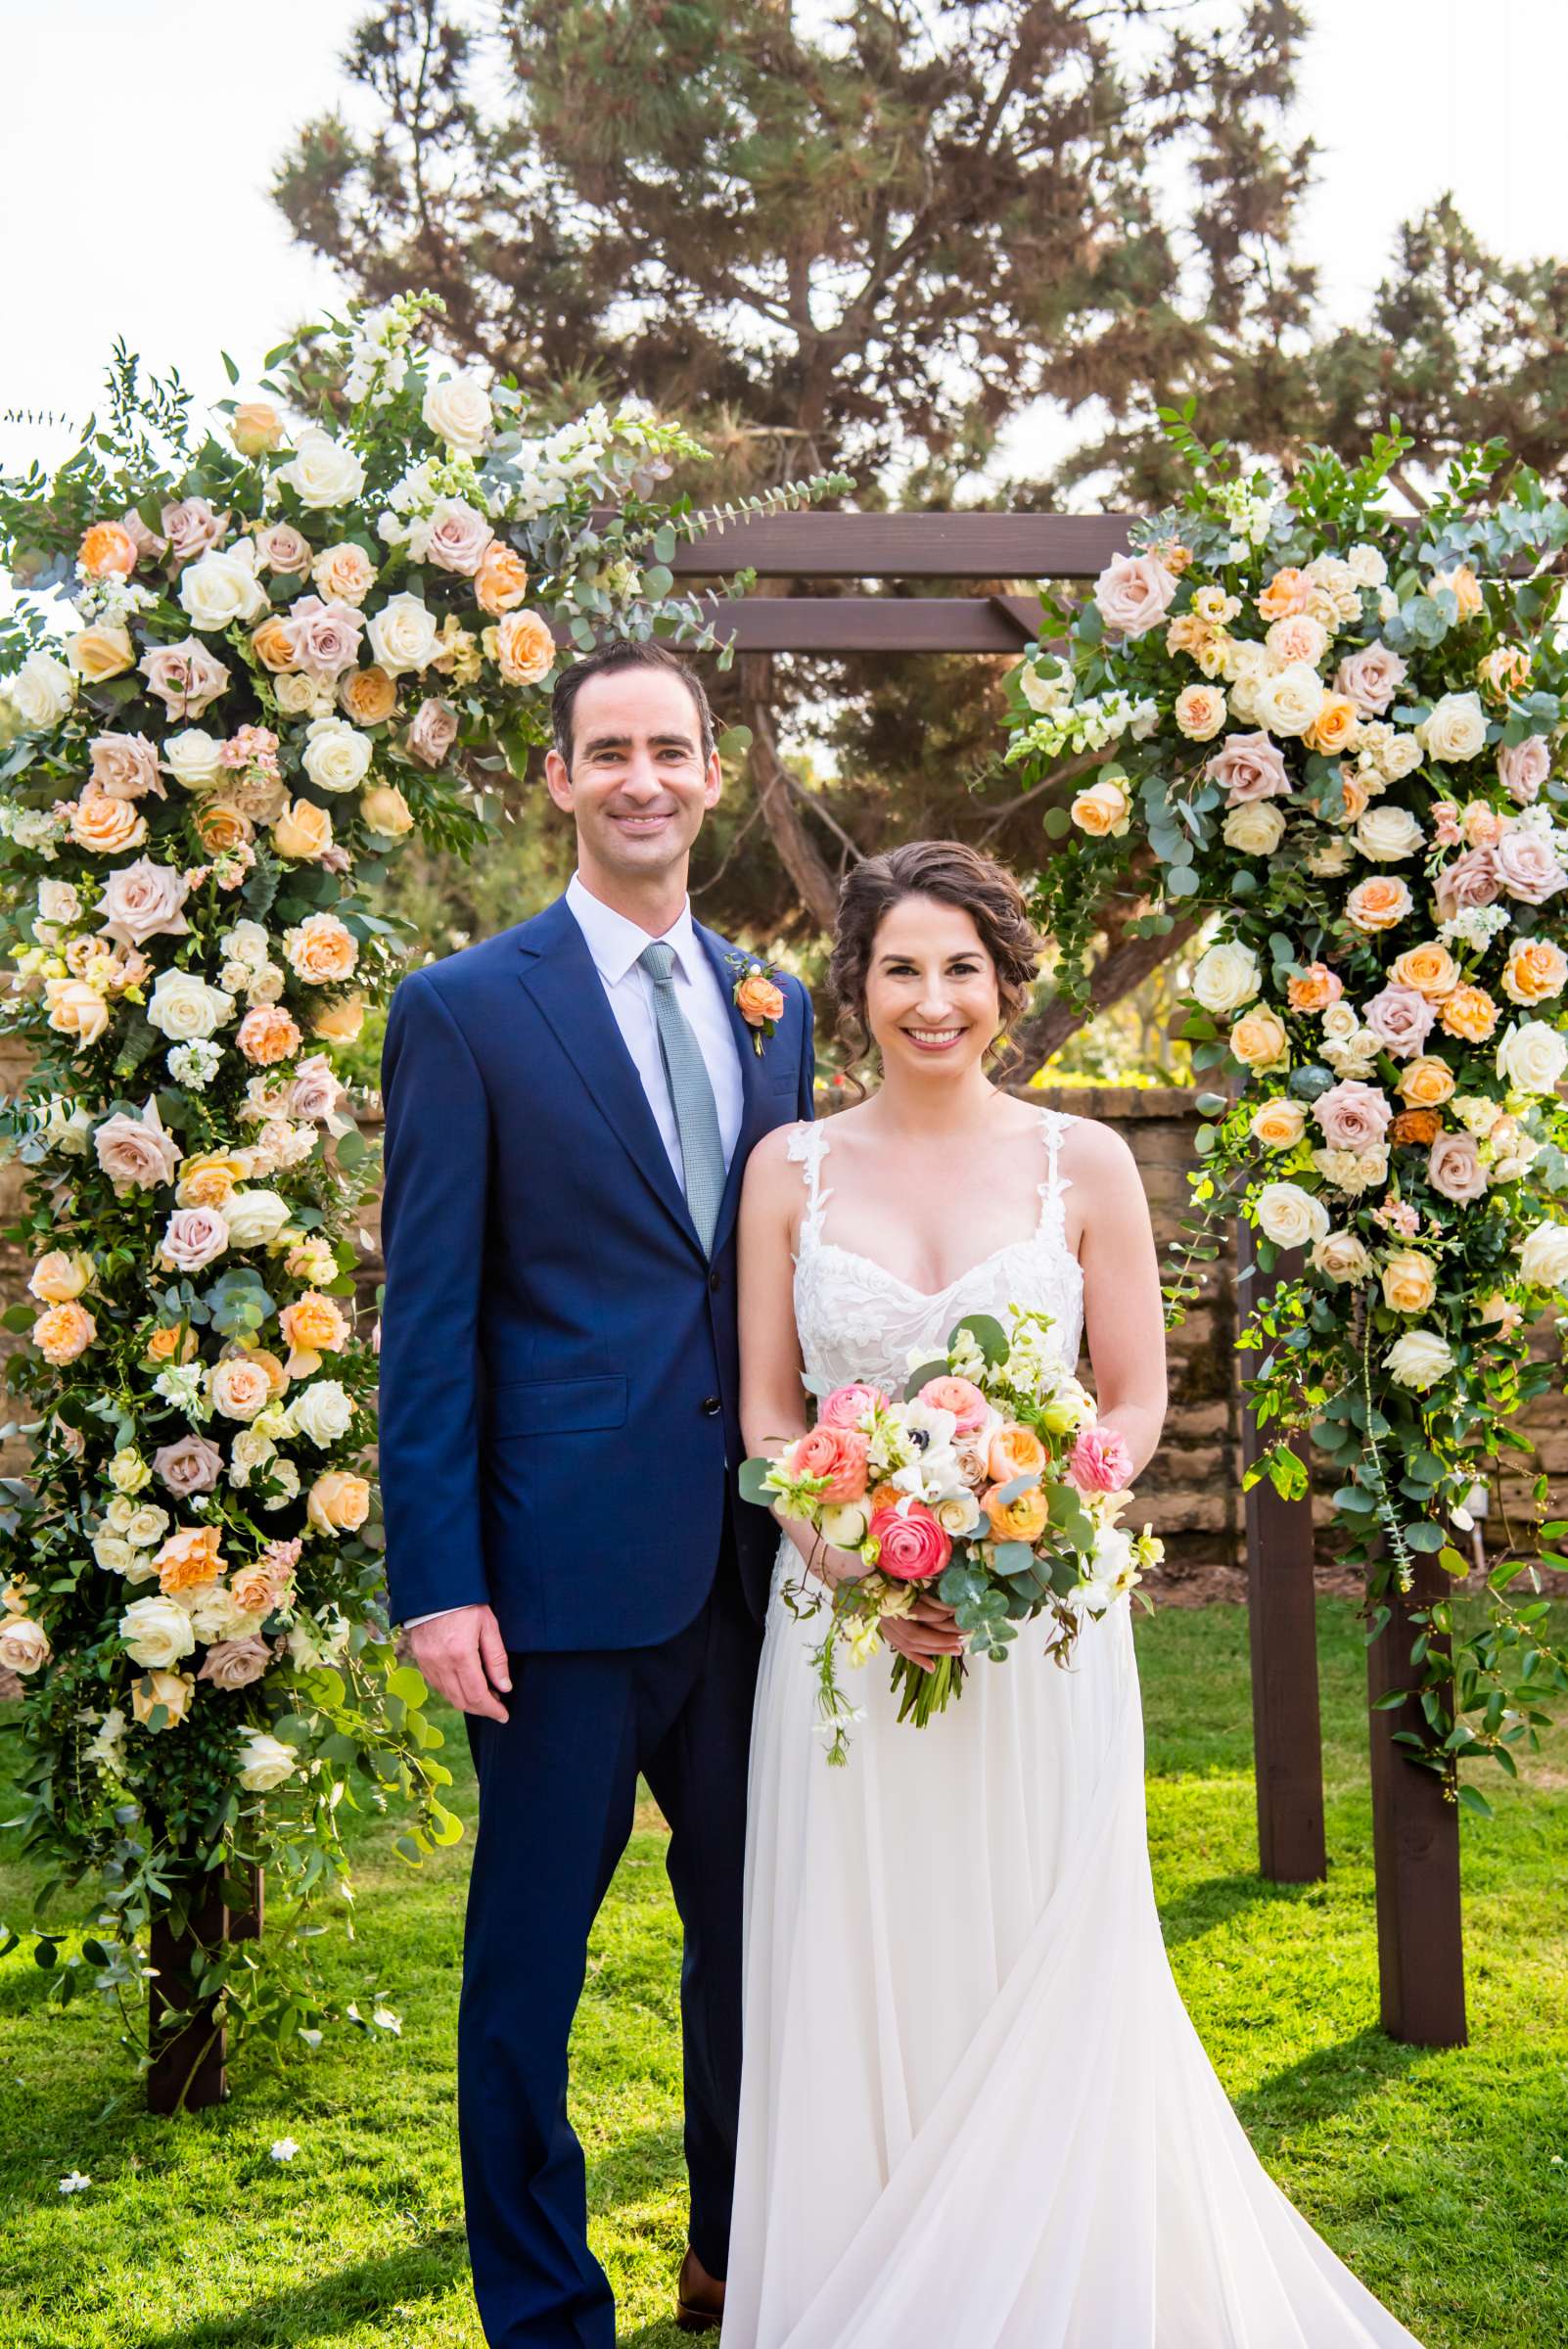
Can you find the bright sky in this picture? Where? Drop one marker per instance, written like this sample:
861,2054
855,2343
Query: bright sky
174,243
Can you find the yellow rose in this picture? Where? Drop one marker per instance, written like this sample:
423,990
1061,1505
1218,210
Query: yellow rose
98,653
1425,1083
338,1502
1258,1040
1430,969
368,695
170,1690
209,1178
256,428
1280,1124
386,811
60,1275
339,1022
1101,811
303,831
62,1332
1410,1282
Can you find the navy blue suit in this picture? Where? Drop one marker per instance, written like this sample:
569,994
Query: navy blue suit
559,1434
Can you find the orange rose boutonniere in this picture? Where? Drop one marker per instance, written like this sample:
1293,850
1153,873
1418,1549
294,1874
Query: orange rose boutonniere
757,997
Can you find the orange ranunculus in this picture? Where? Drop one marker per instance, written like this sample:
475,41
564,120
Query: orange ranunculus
108,551
1332,727
1430,969
1469,1012
1536,970
368,695
1415,1125
189,1558
1426,1083
1020,1520
501,581
1316,989
267,1034
1286,592
273,645
1014,1450
759,1000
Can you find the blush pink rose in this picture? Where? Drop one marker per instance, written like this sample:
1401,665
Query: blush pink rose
1353,1115
963,1398
236,1663
315,1090
193,1237
1401,1019
283,548
324,637
190,1464
845,1406
125,765
136,1153
458,537
1134,593
1523,767
1471,880
1454,1168
433,732
1101,1461
839,1455
1528,866
148,544
1249,767
190,528
1371,678
144,901
911,1545
186,677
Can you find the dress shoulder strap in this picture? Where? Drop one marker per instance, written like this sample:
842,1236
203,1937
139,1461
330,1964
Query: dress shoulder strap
1052,1211
808,1146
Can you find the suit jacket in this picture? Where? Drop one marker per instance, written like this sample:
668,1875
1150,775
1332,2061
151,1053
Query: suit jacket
560,1423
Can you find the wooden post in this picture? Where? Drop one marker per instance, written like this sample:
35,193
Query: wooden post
1282,1626
189,2068
1415,1847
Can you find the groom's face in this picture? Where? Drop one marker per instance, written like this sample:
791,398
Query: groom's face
638,785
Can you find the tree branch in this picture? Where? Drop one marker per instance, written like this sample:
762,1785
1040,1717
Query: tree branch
801,859
1124,965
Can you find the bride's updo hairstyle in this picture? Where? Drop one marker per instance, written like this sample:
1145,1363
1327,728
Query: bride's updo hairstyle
953,874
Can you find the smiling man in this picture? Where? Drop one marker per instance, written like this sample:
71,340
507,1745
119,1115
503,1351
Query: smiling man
570,1107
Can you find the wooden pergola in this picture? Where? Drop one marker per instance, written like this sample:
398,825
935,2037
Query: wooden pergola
1415,1823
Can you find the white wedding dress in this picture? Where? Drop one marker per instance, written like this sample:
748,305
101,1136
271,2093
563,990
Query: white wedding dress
975,2114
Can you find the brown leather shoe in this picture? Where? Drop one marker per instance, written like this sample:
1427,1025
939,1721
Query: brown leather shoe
699,2298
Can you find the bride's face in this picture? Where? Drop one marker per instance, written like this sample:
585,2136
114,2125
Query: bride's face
931,997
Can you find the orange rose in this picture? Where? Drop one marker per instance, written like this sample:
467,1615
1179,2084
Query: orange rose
368,695
1020,1520
267,1034
98,652
1535,971
759,1000
1332,727
1014,1450
255,1591
220,827
1358,799
103,825
189,1558
303,831
1378,902
273,645
1469,1012
522,648
1286,592
339,1022
108,551
1426,1083
339,1502
1415,1125
171,1343
62,1332
312,1325
209,1178
1430,969
1316,989
501,581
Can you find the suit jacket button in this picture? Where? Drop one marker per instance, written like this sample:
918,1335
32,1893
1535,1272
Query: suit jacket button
715,1281
711,1407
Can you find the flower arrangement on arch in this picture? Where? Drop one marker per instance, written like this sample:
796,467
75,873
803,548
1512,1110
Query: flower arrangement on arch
1345,732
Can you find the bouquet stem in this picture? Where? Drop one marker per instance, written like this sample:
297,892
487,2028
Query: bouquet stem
924,1693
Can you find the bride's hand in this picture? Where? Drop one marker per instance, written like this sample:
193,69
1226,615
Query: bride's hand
834,1566
928,1630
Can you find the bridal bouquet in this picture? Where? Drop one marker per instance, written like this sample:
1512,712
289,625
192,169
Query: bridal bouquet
989,1483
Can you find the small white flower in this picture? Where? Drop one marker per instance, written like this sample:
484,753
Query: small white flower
75,2184
284,2148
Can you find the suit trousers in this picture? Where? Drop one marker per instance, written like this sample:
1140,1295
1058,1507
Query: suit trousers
557,1791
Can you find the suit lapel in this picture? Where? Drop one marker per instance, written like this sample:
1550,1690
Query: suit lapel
559,973
751,1064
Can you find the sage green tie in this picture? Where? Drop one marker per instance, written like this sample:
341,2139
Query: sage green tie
691,1096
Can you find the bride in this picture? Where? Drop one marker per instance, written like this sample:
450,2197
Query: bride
974,2114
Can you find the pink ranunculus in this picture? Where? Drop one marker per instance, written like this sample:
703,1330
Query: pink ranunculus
144,901
236,1663
1249,767
1134,593
963,1398
1471,880
125,765
190,1464
1528,865
193,1237
190,528
1371,678
847,1407
911,1545
837,1452
1523,767
1401,1019
1353,1115
324,637
186,677
1453,1166
458,537
433,732
1101,1461
283,548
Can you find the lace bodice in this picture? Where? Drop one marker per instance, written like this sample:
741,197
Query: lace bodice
857,1321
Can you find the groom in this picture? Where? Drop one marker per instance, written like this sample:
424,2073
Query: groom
570,1107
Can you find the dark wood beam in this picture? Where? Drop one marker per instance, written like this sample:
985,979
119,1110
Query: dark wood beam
872,624
910,546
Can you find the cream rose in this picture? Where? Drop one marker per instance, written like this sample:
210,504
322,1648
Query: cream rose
1227,978
23,1645
60,1275
1200,712
1288,702
1532,1056
337,755
1256,828
262,1762
1386,835
404,635
41,692
255,1216
157,1633
322,472
192,757
1342,1258
1410,1282
1453,729
1420,1360
222,587
458,411
1289,1215
322,1413
1543,1256
184,1008
98,652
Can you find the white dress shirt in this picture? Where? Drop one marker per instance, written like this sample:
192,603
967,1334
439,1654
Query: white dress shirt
614,945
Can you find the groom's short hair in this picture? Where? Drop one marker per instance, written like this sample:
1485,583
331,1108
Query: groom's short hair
605,662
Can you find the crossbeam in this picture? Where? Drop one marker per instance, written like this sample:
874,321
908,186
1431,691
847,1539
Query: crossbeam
908,546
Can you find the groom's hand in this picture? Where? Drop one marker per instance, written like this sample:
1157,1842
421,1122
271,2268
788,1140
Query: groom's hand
463,1656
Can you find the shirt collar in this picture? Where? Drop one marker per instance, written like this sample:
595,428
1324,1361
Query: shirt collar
615,943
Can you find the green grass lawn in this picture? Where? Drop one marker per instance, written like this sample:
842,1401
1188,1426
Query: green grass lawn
1442,2178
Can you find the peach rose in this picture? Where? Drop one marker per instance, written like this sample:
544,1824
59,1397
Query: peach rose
256,428
1315,989
169,1690
1258,1040
339,1022
1134,593
385,811
521,647
501,581
189,1559
1379,902
62,1332
1014,1450
106,551
1200,712
1466,589
368,695
267,1034
171,1343
1469,1012
1278,1123
321,950
338,1502
1536,970
1426,1083
1023,1519
77,1010
240,1387
273,644
1410,1282
125,765
1505,670
303,831
103,825
1333,727
220,828
1430,969
312,1325
1286,592
210,1176
343,574
60,1275
100,652
759,1000
837,1453
1102,810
